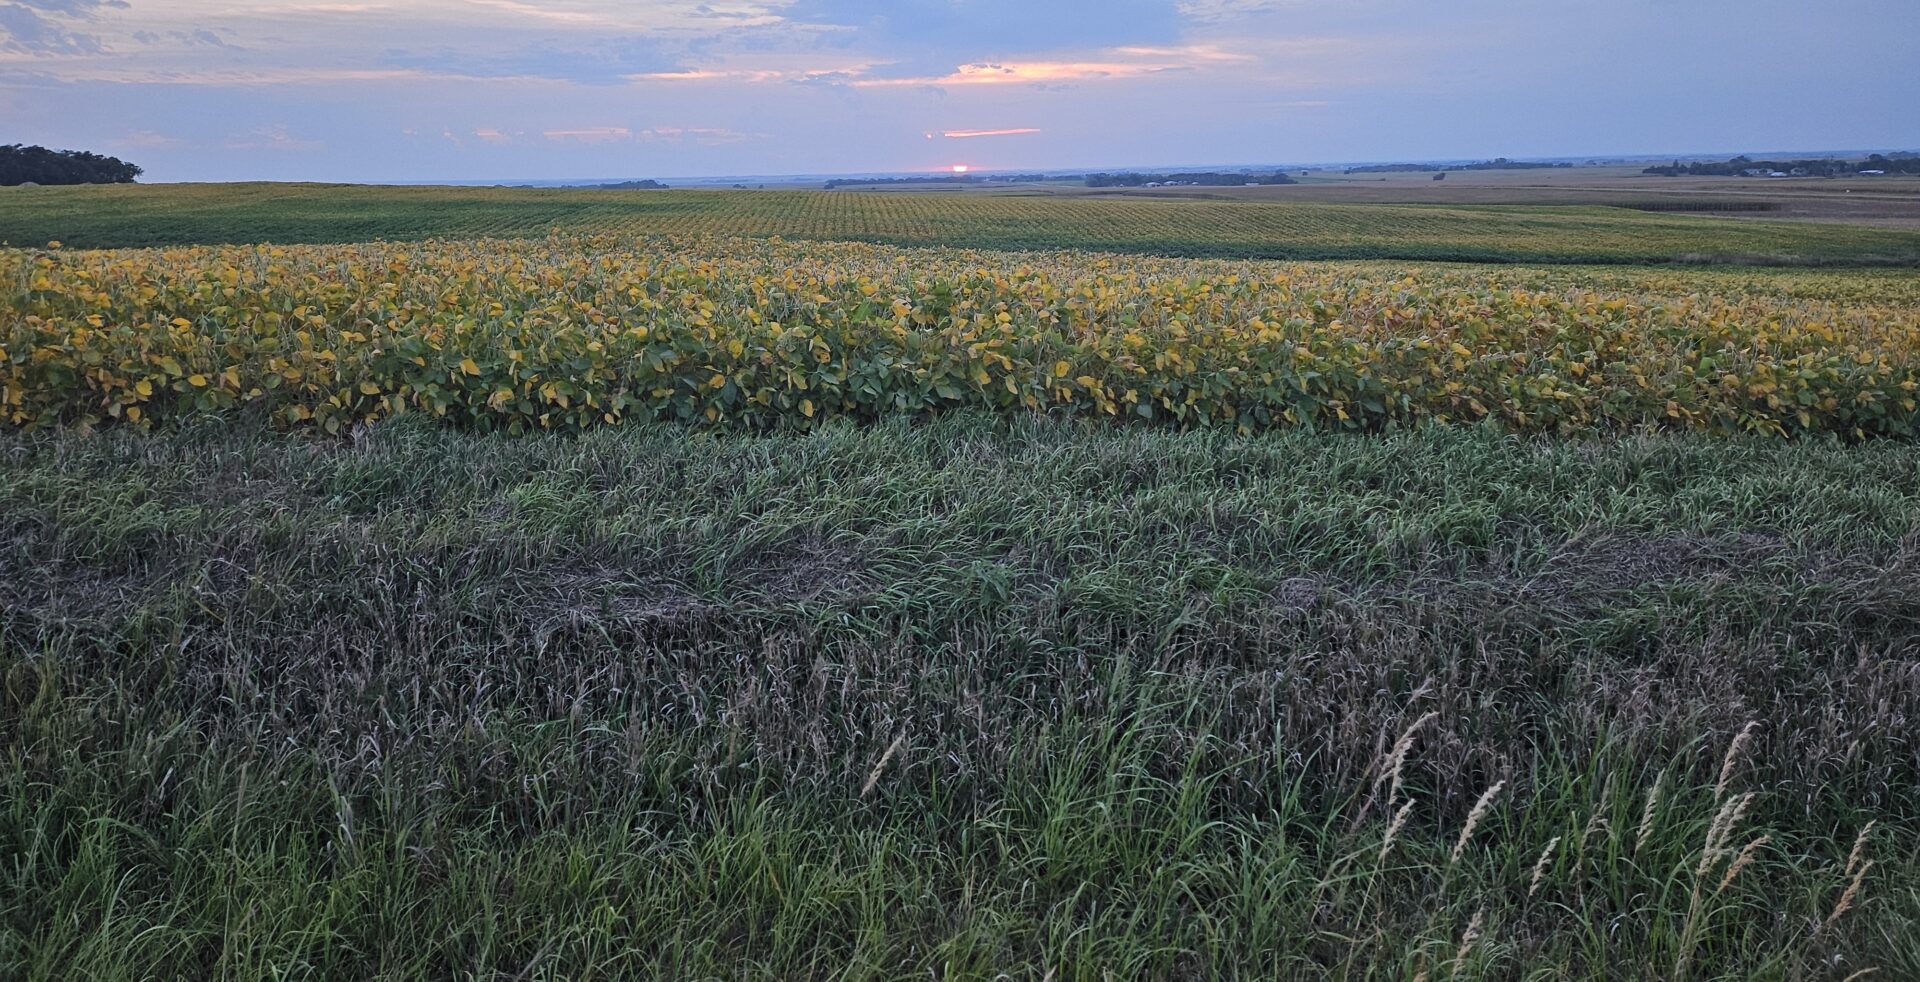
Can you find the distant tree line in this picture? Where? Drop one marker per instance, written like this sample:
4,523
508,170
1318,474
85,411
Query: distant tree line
850,182
1899,163
38,165
1199,178
1121,180
1497,163
648,185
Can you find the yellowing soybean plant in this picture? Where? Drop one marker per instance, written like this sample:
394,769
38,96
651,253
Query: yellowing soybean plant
581,332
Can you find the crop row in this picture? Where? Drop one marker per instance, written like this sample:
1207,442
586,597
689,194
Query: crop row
581,332
1285,227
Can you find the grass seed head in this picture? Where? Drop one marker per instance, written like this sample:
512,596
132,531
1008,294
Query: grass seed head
1540,867
1480,809
1732,758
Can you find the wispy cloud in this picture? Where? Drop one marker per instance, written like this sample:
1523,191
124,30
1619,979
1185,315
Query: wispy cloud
710,75
276,136
198,37
42,27
246,77
702,135
646,17
970,134
590,134
546,13
800,67
1212,10
709,136
150,140
1030,73
1201,53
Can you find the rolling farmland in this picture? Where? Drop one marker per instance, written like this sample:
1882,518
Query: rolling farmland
428,583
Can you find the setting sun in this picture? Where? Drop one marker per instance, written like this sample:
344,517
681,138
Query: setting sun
959,168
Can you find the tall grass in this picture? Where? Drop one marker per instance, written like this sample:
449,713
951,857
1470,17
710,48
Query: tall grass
963,699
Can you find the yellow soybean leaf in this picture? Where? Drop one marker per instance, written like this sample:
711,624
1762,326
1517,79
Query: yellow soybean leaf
369,389
806,408
1061,368
197,381
144,387
469,367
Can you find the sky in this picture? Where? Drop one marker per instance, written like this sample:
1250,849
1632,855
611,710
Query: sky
421,90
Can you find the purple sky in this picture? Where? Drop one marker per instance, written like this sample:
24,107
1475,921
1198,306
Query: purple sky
530,89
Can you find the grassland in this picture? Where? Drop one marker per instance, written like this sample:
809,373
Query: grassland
967,698
620,605
166,215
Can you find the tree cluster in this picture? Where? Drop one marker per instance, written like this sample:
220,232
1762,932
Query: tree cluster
38,165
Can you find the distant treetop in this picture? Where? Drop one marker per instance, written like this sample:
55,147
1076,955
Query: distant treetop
1497,163
38,165
1744,166
1197,178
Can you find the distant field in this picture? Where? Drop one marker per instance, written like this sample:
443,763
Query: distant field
1886,202
1891,201
244,213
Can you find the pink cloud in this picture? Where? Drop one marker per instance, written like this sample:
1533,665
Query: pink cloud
970,134
591,134
1030,73
703,135
709,75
